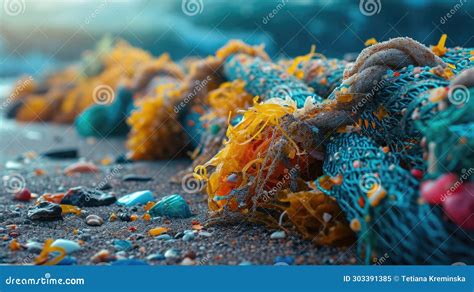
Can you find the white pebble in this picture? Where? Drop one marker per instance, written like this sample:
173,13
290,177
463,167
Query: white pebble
278,235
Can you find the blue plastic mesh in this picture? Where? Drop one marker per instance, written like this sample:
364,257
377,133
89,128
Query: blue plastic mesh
398,116
388,118
323,75
451,134
461,58
408,231
267,80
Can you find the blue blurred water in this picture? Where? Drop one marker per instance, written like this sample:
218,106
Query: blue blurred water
47,34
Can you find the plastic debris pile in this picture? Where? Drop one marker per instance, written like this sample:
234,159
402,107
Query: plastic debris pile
377,151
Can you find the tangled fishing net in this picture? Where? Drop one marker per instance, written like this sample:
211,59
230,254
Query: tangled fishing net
388,107
377,152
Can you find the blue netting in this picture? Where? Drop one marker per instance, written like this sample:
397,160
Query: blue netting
399,225
388,118
267,79
460,58
451,134
323,75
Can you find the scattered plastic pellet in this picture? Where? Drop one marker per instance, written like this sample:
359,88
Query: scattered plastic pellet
278,235
171,254
122,245
69,246
24,195
81,167
139,178
66,209
173,206
157,231
135,198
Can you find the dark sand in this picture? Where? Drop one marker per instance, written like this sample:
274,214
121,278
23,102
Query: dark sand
228,245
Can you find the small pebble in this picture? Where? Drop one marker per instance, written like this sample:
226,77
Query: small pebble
24,195
124,217
68,245
188,262
45,211
102,256
81,167
205,234
232,178
155,257
34,246
122,245
163,237
327,217
133,177
121,255
171,253
94,220
188,236
278,235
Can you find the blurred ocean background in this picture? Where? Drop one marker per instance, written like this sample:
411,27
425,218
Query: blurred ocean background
47,34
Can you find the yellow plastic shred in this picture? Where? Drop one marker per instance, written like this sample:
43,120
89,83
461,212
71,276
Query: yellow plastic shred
43,257
65,209
371,41
242,152
440,49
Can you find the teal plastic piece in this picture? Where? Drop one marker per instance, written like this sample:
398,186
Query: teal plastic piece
107,120
135,198
173,206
